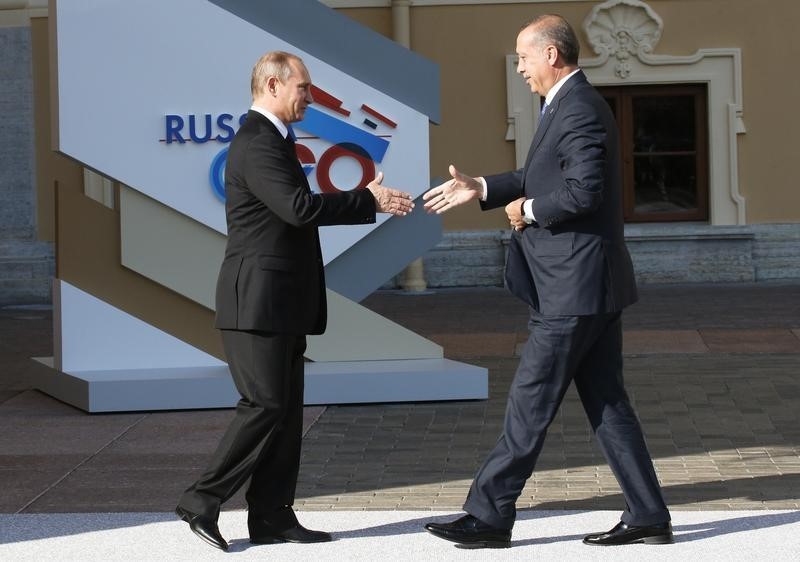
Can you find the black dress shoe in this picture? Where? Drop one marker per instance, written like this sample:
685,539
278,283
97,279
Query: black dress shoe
628,534
282,526
296,534
471,532
204,527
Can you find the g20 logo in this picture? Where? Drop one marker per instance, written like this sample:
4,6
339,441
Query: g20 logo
333,138
309,163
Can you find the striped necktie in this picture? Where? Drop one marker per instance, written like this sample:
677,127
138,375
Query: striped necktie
544,108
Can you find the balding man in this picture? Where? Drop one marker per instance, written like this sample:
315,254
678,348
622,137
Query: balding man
568,261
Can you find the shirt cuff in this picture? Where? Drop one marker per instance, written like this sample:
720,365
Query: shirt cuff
485,192
527,207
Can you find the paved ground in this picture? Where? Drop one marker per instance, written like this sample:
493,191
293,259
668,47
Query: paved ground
714,372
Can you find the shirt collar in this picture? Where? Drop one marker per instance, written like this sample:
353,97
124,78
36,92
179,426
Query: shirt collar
557,86
275,121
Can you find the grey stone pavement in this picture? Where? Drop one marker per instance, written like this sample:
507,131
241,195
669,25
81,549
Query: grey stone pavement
714,371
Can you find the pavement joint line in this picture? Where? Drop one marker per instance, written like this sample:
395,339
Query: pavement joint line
80,464
313,421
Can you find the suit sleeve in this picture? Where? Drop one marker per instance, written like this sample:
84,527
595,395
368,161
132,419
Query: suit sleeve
502,189
271,175
581,153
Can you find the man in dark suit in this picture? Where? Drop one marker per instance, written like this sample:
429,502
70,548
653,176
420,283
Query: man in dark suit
568,261
270,295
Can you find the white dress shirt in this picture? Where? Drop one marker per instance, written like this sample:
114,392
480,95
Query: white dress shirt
275,121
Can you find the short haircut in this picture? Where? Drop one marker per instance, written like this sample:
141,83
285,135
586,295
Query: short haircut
555,30
274,63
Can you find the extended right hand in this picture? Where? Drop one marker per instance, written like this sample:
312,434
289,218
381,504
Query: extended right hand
452,193
388,200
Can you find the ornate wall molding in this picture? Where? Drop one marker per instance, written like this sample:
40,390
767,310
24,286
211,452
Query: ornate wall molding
523,111
721,71
623,29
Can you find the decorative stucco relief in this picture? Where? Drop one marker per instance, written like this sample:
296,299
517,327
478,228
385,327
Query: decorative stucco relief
623,29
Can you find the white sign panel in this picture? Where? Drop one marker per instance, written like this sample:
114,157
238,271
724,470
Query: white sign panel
154,93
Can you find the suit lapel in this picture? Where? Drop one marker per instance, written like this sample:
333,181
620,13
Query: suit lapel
293,155
541,129
290,148
551,113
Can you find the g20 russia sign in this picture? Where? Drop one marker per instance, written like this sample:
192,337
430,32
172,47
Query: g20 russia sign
177,103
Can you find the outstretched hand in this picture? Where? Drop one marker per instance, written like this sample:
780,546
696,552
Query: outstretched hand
452,193
388,200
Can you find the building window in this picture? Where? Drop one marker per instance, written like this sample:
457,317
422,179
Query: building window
664,150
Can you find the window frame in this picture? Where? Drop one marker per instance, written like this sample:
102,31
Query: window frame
623,99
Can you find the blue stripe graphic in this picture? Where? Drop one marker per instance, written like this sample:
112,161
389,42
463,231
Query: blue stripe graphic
338,132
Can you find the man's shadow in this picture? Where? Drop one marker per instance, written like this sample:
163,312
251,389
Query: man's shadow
764,488
695,531
771,488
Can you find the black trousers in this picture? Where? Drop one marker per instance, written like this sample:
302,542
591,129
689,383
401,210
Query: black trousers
560,349
263,440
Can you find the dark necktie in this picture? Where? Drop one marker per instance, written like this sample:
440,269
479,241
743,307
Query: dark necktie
544,109
290,140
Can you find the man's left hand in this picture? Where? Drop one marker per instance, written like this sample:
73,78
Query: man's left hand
514,214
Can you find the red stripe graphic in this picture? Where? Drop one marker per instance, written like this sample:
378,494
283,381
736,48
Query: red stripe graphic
326,100
377,115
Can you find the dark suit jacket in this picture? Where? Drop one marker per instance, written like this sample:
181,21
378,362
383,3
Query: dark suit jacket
272,278
573,261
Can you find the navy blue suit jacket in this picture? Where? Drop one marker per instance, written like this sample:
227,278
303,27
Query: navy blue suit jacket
573,261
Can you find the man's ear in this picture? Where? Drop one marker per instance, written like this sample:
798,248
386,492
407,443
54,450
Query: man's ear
271,85
552,54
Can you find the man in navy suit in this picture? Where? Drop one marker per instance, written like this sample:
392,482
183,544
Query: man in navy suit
270,295
568,261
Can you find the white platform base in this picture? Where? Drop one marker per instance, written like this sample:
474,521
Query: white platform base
186,388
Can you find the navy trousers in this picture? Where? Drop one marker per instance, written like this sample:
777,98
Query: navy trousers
560,349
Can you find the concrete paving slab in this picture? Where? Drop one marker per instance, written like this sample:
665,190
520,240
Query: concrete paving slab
44,426
96,489
22,485
476,345
662,341
774,340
